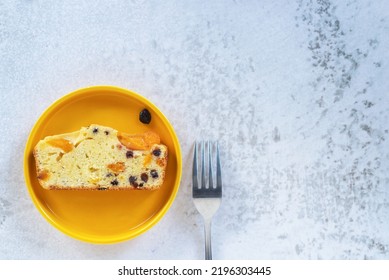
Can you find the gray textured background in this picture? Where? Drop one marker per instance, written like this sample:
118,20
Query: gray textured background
296,91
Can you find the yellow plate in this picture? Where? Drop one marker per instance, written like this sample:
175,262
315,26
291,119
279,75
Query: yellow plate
103,216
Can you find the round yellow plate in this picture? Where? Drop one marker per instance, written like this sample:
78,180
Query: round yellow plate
103,216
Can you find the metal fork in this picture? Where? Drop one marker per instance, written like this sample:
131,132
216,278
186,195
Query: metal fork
207,196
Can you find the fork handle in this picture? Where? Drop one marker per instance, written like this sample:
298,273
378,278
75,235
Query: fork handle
208,246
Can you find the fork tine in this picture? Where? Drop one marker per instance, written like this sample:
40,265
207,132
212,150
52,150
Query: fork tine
207,199
194,174
210,166
218,169
202,166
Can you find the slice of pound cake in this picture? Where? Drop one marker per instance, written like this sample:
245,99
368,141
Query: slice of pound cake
99,157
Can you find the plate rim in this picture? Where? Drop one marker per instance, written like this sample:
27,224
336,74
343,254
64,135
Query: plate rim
114,238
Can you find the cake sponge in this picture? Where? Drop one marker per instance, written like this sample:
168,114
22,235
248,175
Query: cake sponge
101,158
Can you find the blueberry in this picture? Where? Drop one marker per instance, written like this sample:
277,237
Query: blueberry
133,182
129,154
144,177
154,173
157,152
145,116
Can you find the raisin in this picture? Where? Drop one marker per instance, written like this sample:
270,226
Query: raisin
154,173
133,182
144,177
109,175
141,185
157,152
129,154
106,132
95,130
145,116
114,182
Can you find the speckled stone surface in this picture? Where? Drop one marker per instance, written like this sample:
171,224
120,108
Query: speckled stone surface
297,92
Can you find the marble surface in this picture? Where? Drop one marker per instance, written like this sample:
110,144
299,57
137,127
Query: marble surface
296,92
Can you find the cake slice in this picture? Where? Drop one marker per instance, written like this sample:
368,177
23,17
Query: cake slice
100,157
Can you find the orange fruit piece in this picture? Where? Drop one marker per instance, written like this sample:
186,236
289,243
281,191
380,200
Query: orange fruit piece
139,141
151,138
132,141
117,167
61,143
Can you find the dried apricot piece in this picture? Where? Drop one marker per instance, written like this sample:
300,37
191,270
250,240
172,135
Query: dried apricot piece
151,138
61,143
132,141
117,167
139,141
147,160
